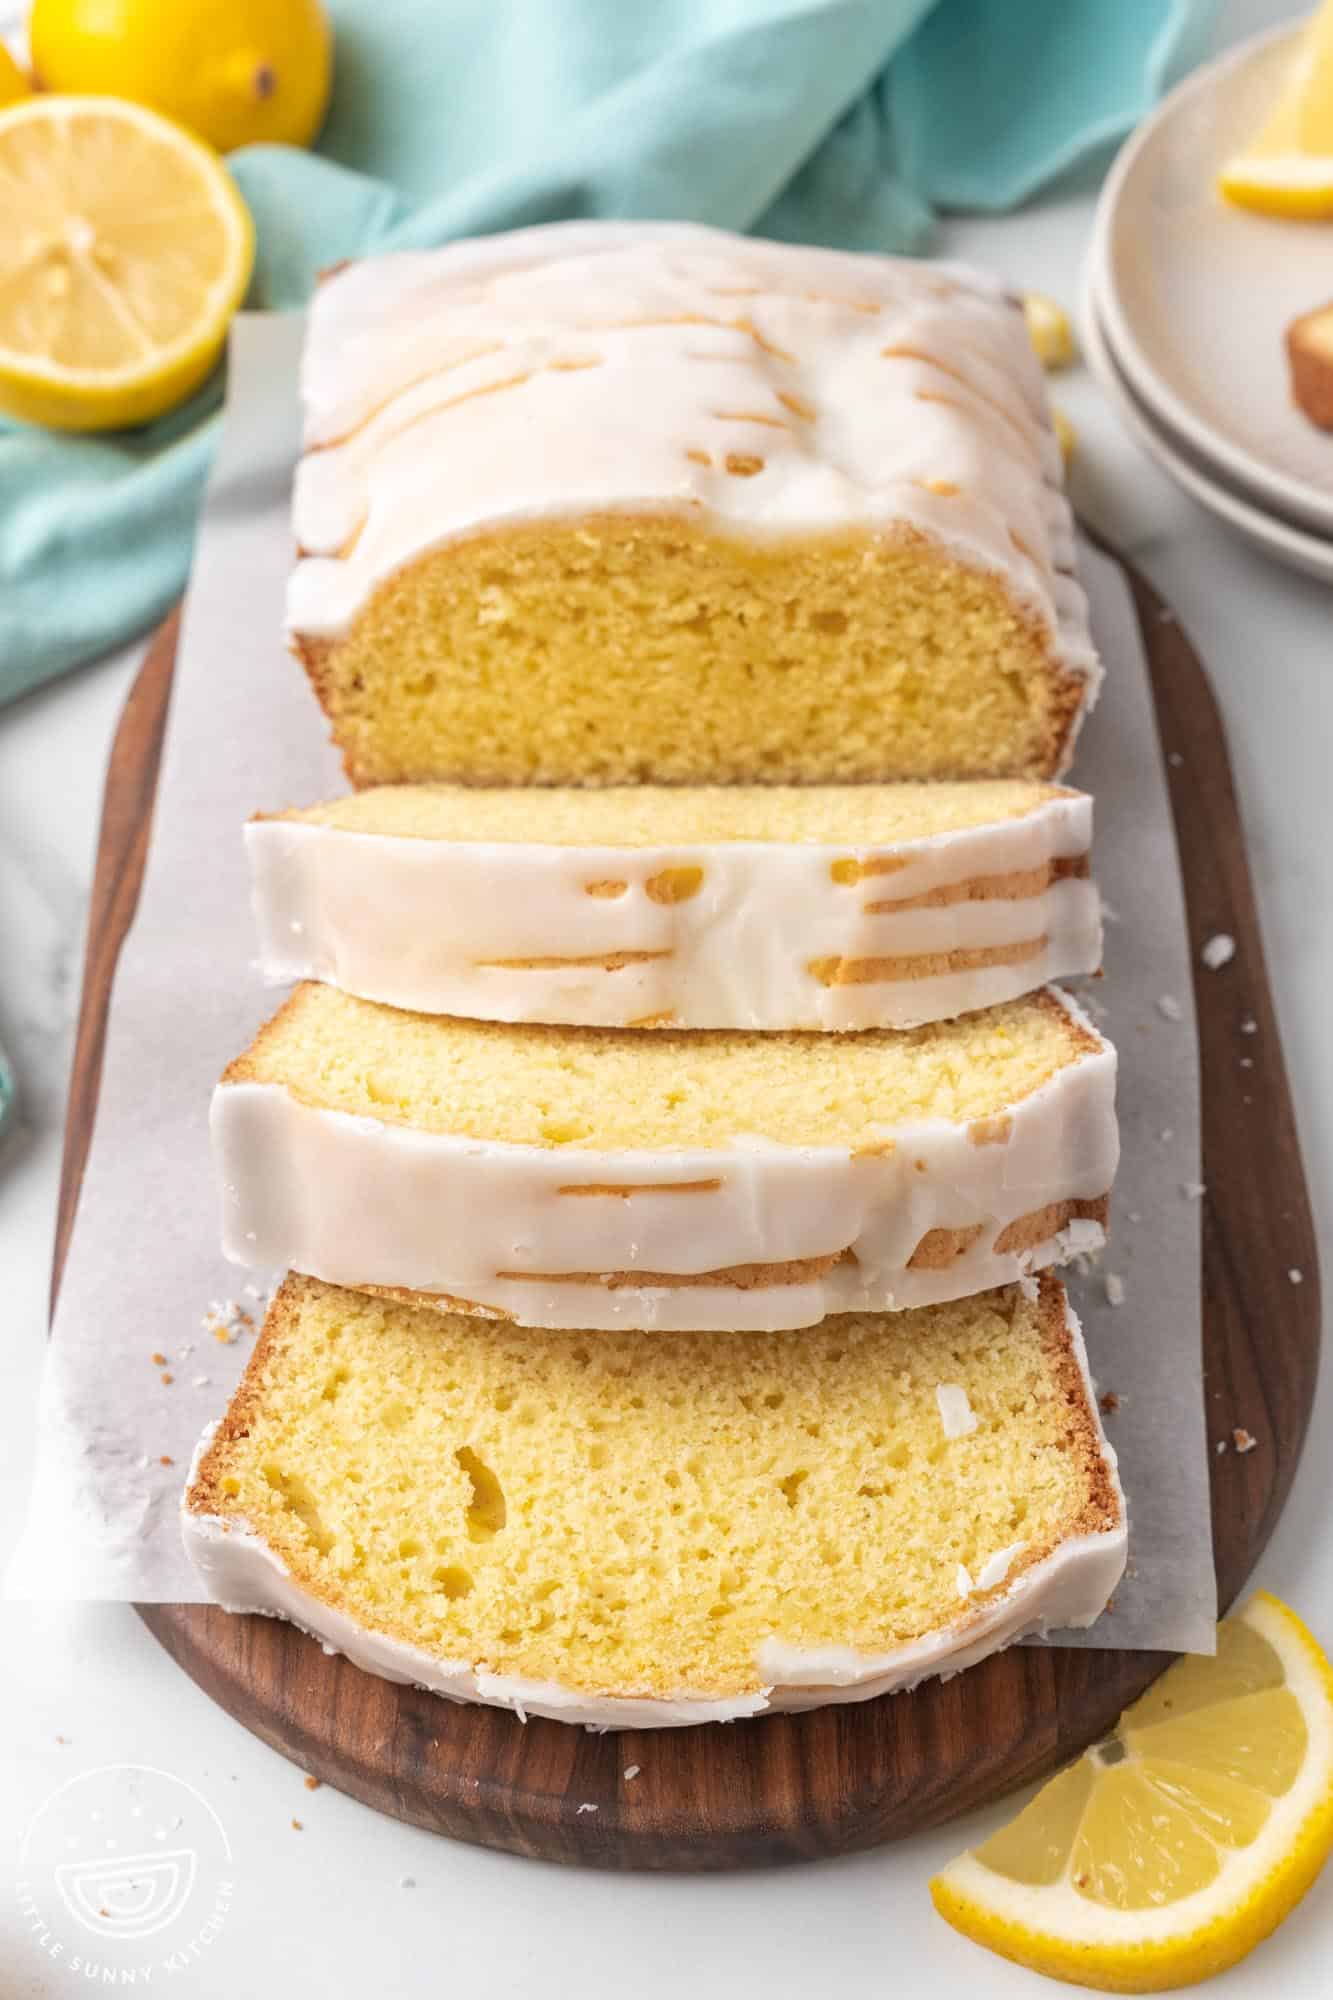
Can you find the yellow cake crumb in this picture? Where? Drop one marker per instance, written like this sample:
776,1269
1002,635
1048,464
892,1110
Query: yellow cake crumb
639,1516
666,815
533,1085
628,650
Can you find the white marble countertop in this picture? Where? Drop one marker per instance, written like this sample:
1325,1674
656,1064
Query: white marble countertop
354,1902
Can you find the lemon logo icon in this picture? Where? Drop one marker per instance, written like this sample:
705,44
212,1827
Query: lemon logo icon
131,1896
125,1869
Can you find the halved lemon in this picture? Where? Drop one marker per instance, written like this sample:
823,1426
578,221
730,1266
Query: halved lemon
125,249
1170,1850
1288,168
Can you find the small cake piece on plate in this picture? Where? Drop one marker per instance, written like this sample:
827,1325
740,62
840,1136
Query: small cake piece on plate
1310,359
639,1533
603,1177
866,906
607,503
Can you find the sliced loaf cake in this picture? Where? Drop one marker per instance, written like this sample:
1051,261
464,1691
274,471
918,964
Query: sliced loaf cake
607,503
586,1177
866,906
627,1532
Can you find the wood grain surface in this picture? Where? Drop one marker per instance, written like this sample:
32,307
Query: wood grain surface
783,1788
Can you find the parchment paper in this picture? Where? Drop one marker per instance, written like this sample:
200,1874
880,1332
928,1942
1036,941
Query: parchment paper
143,1270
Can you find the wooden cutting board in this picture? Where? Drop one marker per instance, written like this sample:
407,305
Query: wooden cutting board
787,1787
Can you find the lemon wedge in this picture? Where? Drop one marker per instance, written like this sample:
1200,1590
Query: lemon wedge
1288,168
1171,1849
124,251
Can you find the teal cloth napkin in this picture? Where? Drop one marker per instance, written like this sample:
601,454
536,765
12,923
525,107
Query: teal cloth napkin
836,121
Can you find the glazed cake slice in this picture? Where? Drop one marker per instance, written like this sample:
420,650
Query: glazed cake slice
866,906
638,1533
607,503
602,1177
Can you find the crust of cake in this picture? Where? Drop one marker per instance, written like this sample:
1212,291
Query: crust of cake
937,1250
1309,344
1101,1508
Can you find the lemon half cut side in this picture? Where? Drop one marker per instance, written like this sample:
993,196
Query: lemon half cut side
125,249
1167,1852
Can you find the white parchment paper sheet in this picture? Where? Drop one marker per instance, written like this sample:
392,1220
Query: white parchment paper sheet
244,734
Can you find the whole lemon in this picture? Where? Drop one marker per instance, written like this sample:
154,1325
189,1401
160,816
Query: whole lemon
13,83
232,71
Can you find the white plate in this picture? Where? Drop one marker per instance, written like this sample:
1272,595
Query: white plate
1275,536
1196,295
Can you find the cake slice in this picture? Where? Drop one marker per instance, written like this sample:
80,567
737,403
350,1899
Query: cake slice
1309,343
601,1177
607,503
627,1532
860,906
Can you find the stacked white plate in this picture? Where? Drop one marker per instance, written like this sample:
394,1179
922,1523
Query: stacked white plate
1186,302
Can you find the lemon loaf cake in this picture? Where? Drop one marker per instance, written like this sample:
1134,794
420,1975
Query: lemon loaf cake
857,906
613,502
601,1177
633,1533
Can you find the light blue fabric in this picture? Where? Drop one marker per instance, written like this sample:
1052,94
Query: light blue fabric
837,121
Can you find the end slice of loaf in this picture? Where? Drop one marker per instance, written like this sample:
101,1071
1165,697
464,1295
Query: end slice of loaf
1309,343
606,503
840,907
586,1177
638,1533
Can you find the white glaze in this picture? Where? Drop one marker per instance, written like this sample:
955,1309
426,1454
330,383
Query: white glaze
1069,1588
360,1202
957,1417
439,404
421,923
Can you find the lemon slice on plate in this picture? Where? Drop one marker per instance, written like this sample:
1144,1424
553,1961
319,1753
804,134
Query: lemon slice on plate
1288,168
124,251
1168,1851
